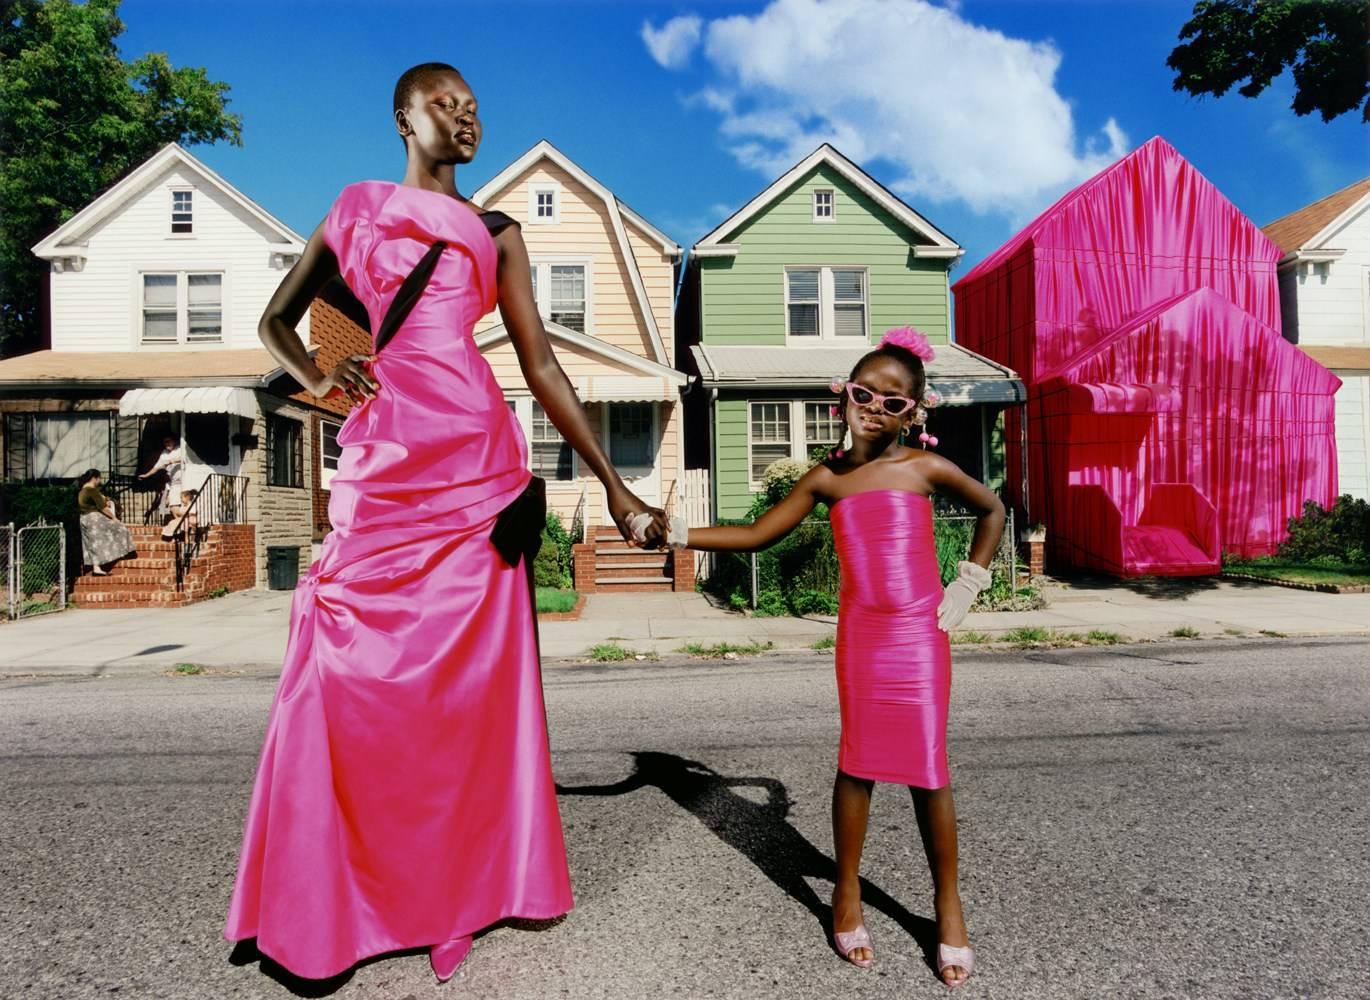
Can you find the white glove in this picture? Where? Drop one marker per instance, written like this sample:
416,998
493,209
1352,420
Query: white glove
971,578
676,536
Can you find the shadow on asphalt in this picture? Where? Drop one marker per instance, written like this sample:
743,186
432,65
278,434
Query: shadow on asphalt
758,831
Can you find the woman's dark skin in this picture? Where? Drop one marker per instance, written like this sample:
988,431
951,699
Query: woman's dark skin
441,129
877,461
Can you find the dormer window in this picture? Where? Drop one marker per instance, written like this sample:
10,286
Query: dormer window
543,204
823,205
182,221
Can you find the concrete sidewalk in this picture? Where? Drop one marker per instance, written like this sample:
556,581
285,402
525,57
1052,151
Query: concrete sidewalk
248,630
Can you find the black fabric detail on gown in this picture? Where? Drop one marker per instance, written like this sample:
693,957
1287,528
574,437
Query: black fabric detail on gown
497,222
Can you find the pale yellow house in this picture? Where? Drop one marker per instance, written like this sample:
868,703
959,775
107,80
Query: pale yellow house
603,277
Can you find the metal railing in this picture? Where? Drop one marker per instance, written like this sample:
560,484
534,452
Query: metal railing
219,500
7,561
578,520
137,501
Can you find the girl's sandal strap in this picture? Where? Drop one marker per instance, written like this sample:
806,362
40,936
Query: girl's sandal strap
849,941
949,956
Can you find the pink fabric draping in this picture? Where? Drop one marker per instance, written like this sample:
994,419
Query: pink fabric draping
1142,311
404,795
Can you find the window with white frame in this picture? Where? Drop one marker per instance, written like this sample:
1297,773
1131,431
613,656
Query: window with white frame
823,205
182,216
64,445
561,292
826,303
769,440
182,308
550,453
789,429
802,301
330,451
543,204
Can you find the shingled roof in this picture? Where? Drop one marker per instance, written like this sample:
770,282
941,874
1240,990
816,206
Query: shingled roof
1293,231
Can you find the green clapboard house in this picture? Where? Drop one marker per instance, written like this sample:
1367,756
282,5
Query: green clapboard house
790,291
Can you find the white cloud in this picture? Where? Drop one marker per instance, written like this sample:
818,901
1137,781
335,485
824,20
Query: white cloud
961,112
672,43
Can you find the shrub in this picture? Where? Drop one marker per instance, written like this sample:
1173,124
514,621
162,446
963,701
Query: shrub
547,565
1340,532
813,602
563,541
25,503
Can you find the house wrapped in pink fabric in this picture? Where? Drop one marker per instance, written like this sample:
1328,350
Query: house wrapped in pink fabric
1167,420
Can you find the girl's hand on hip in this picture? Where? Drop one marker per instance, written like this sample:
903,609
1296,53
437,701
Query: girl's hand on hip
351,378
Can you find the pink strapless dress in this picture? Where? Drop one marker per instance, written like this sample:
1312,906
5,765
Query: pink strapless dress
404,795
893,662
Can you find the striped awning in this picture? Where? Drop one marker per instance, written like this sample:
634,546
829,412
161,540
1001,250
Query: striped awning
625,389
196,399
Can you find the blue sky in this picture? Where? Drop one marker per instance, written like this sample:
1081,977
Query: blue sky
979,113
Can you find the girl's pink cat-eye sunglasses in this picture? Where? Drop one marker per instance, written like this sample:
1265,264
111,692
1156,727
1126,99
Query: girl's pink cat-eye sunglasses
893,405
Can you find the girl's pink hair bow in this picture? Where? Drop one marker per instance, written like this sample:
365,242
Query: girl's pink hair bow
910,340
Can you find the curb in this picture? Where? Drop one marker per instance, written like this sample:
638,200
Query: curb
1321,588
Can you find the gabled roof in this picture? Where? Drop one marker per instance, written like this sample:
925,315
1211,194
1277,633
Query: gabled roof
826,154
610,352
1310,225
1155,163
68,236
544,150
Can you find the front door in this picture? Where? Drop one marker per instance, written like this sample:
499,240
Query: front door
632,442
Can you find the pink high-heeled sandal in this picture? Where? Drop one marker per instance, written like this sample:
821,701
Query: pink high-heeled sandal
446,958
848,941
949,955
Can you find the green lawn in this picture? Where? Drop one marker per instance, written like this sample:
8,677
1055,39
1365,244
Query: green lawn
1295,572
552,600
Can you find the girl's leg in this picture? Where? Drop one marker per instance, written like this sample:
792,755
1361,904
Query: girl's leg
851,807
936,811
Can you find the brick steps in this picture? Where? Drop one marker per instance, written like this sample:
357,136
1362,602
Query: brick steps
609,565
226,558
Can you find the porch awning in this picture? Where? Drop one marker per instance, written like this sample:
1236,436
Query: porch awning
625,389
198,399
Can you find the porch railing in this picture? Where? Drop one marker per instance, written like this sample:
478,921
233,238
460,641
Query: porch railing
219,500
138,501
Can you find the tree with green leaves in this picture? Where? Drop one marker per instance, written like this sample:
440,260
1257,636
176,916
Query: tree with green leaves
1326,42
74,119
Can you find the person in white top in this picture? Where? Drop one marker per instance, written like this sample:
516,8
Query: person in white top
172,461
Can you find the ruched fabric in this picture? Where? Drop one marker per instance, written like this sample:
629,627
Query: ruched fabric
404,795
893,662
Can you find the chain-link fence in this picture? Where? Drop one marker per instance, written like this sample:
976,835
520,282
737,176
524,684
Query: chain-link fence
39,578
800,574
7,608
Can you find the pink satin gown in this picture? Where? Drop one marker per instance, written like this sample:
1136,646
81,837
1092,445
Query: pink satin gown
404,795
893,662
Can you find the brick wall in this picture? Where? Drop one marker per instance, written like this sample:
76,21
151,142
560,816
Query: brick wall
583,567
232,562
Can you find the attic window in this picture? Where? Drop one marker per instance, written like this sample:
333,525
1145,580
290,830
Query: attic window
542,204
181,222
823,205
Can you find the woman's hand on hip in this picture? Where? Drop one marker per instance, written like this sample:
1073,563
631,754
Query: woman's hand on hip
349,377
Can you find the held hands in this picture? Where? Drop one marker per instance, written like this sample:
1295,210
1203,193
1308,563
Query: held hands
349,377
677,534
625,507
971,578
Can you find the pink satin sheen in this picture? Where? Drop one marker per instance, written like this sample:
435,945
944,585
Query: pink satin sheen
1167,419
404,795
893,662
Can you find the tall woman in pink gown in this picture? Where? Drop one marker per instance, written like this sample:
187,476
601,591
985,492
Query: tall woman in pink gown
404,796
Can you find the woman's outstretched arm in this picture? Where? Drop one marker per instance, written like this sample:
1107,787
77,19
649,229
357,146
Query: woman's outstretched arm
553,390
771,526
311,272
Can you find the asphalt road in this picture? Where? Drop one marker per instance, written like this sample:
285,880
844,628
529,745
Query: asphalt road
1173,820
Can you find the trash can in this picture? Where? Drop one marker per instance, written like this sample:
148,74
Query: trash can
282,567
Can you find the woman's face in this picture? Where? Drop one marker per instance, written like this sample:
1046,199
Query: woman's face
442,118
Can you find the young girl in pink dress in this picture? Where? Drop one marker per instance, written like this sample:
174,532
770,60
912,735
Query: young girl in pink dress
893,650
404,797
